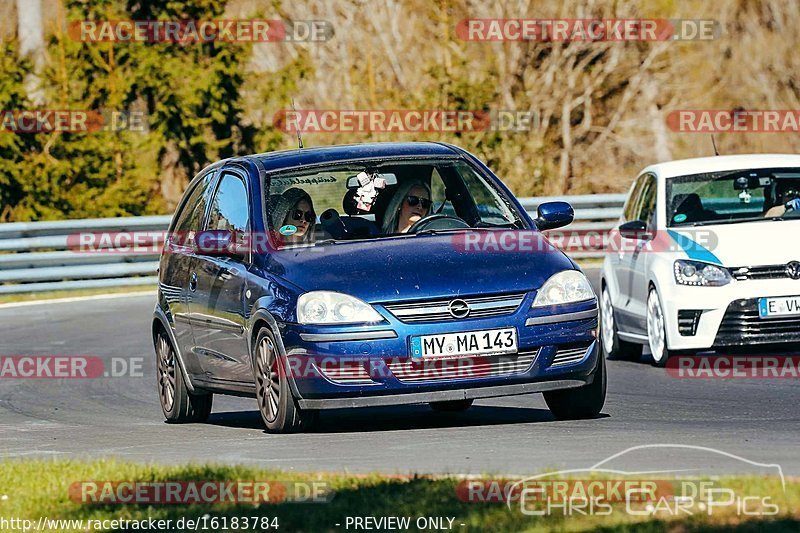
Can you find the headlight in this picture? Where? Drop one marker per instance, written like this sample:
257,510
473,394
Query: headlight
700,274
326,307
565,287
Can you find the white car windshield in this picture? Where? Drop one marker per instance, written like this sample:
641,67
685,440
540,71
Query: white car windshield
734,196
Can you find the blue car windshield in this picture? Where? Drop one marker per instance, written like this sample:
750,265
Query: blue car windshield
386,199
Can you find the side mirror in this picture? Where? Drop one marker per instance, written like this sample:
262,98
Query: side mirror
222,243
551,215
635,229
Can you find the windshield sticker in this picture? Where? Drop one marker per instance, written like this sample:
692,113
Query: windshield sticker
316,180
287,230
368,190
680,217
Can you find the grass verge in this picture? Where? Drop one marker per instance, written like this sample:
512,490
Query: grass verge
34,489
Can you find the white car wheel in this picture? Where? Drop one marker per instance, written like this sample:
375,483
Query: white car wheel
607,323
656,329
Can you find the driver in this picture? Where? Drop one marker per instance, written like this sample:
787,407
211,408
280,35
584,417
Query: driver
788,200
293,216
410,203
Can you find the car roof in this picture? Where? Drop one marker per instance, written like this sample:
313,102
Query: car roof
699,165
284,159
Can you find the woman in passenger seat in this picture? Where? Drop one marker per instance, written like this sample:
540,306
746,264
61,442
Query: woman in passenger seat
292,214
410,203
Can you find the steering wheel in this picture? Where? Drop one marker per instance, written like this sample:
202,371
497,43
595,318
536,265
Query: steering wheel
437,221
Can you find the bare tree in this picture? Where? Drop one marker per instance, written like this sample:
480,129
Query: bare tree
30,31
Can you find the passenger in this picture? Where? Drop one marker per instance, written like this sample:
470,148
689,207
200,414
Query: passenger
293,216
788,199
410,203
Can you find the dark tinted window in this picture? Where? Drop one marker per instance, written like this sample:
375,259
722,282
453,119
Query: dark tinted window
229,210
190,217
631,206
647,200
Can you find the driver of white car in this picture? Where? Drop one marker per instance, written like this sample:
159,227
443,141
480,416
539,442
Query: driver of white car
788,200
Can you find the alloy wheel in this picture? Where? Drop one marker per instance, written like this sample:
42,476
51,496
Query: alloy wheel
655,328
166,374
268,380
607,321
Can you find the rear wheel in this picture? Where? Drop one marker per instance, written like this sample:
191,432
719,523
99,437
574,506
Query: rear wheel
613,346
451,406
581,402
276,403
177,403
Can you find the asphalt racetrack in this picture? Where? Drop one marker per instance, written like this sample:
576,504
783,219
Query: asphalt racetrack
757,420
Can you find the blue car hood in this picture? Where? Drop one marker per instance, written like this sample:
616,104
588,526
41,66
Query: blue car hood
424,266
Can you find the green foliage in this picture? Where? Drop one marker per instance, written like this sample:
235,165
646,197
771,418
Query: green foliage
190,94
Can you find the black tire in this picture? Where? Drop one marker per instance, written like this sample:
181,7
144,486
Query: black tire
177,403
276,403
581,402
451,406
614,348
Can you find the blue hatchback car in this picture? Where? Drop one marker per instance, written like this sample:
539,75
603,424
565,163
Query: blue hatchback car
368,275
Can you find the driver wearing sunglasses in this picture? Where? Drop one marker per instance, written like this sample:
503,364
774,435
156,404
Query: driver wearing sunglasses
410,203
293,216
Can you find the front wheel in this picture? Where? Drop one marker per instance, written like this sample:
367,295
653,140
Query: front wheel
581,402
657,330
276,403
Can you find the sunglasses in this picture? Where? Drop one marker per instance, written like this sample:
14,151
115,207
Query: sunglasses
414,200
298,215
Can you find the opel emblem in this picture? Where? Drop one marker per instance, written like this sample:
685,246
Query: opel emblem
792,270
460,308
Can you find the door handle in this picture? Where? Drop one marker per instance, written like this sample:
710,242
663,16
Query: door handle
193,282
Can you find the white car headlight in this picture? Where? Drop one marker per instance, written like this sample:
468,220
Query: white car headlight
568,286
700,274
327,307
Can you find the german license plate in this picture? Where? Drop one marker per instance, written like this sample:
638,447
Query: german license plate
486,342
782,306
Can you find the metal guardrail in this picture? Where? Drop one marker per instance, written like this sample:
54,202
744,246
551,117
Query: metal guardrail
42,256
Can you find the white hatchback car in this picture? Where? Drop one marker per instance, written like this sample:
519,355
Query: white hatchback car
708,259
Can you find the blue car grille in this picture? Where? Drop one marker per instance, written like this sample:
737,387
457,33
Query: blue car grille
437,310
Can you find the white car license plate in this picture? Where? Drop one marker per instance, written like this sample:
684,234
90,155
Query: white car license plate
783,306
487,342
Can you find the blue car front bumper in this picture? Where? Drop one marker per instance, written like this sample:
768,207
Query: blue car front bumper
333,367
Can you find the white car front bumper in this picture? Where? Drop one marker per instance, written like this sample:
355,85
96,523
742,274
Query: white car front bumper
737,304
